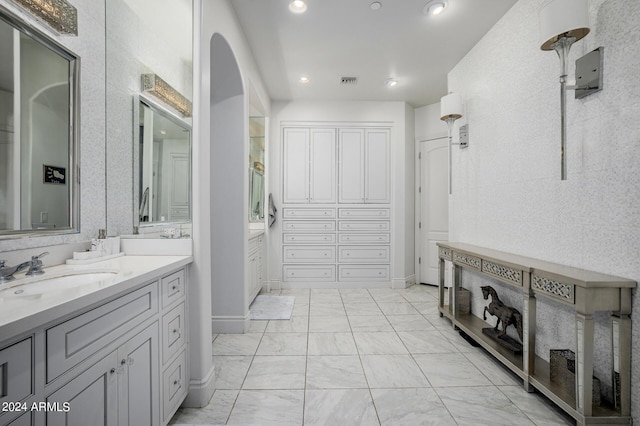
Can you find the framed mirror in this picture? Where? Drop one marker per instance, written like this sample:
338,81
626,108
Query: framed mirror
39,110
257,135
162,166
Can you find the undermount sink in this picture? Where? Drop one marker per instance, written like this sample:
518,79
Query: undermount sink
37,287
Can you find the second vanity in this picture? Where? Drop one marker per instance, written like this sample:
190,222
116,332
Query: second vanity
98,344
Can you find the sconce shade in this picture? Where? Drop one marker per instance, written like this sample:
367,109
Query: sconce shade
563,18
450,106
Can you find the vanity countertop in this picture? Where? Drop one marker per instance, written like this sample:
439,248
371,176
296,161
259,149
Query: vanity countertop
28,309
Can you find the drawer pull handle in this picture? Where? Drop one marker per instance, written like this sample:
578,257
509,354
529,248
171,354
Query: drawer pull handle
175,330
112,371
176,382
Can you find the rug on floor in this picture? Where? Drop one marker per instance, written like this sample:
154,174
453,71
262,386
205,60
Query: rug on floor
272,307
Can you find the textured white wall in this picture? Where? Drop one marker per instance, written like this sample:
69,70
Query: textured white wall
507,189
135,45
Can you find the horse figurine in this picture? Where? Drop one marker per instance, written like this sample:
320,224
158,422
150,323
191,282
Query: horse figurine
506,314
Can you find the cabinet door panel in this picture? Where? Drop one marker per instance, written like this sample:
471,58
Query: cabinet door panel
351,172
138,396
91,397
296,166
323,166
377,165
15,372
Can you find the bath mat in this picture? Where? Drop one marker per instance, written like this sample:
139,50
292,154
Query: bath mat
272,307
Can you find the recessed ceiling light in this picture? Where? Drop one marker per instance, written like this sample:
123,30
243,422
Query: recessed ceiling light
391,82
298,6
304,79
435,7
376,5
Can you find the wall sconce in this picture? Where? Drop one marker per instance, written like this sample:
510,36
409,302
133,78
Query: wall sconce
562,23
57,14
450,111
159,88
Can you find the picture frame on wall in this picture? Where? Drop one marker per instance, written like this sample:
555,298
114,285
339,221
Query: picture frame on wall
53,174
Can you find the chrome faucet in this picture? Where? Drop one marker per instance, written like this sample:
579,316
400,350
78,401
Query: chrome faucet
35,268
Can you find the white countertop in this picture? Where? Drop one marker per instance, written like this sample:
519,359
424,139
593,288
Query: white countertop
23,313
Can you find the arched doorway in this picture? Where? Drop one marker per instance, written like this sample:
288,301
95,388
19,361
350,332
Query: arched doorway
228,186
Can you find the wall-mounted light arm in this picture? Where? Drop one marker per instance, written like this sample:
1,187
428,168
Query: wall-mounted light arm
562,23
450,111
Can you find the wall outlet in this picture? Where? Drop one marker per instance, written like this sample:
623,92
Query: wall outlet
44,217
170,231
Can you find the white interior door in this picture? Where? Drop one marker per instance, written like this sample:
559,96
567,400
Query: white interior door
434,206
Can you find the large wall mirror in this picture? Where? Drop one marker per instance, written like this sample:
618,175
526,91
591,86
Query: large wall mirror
163,166
257,132
38,132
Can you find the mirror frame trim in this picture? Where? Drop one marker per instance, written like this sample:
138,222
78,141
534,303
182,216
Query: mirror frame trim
23,25
156,106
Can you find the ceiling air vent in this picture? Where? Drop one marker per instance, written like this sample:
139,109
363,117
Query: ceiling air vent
348,80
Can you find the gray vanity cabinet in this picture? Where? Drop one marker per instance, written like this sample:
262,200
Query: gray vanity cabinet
122,362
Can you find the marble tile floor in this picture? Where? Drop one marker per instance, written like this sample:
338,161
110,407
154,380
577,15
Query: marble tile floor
363,357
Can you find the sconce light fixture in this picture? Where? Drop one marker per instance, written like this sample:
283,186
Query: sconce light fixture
159,88
562,23
61,16
450,111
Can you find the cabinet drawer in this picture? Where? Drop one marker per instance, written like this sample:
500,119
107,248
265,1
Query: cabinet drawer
173,332
16,380
309,272
363,254
364,213
308,238
174,386
254,245
308,213
309,254
76,339
364,272
310,226
172,287
364,238
364,226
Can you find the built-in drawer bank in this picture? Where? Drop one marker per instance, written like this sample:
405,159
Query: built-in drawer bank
309,272
363,254
363,272
309,254
364,238
360,225
364,213
309,226
289,213
308,238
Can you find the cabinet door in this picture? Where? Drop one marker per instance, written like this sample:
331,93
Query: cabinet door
138,381
323,166
296,165
351,166
92,397
377,166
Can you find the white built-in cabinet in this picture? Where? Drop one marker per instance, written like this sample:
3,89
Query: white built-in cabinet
336,204
256,266
123,362
364,175
310,166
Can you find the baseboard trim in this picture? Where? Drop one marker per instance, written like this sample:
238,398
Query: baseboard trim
230,324
400,283
201,391
334,284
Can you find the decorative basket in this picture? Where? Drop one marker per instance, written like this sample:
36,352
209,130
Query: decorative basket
464,300
563,374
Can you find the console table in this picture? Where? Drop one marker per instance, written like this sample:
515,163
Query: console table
584,291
